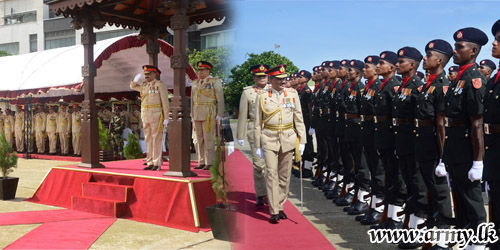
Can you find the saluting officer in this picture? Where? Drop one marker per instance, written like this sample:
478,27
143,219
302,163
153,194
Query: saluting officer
154,113
430,134
247,113
207,107
463,147
19,128
487,67
279,127
452,73
76,129
64,128
491,172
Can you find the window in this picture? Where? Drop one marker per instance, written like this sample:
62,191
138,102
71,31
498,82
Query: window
20,18
33,43
11,48
216,40
114,33
58,39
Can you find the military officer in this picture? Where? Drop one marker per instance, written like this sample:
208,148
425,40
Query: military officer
51,128
430,134
305,95
207,107
9,126
492,136
247,112
19,128
125,114
106,116
154,113
116,127
463,147
395,193
452,73
40,124
487,67
76,130
279,127
135,119
64,128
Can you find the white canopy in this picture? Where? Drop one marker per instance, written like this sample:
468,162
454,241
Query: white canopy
58,72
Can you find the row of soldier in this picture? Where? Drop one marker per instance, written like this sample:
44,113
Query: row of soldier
391,151
50,122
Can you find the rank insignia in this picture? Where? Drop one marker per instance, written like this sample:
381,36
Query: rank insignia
445,89
431,89
477,83
420,88
396,88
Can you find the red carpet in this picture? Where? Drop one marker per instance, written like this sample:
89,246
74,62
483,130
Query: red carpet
253,231
73,234
35,217
52,157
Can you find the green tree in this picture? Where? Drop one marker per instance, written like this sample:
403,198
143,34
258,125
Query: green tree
4,53
241,76
218,57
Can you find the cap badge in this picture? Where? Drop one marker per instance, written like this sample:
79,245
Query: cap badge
261,68
431,45
460,35
352,63
282,69
401,52
302,73
382,56
144,68
483,62
370,59
331,64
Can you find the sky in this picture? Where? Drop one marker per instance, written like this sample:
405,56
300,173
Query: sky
310,32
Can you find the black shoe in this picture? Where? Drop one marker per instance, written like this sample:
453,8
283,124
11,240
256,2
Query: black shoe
346,209
259,201
372,218
282,215
155,168
149,167
207,167
329,186
307,173
364,216
200,166
145,163
295,172
336,193
345,200
412,245
274,219
388,224
436,247
358,208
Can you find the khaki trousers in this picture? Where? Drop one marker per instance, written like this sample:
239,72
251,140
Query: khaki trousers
10,139
153,139
52,142
19,140
259,179
205,146
40,142
64,140
278,170
77,149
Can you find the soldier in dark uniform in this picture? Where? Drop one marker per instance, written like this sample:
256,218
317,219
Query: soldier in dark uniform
317,121
353,137
395,192
305,95
368,137
487,67
492,136
463,147
403,116
116,127
430,134
452,73
315,109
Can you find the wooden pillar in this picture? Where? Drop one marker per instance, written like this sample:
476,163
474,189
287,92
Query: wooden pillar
153,47
89,123
179,126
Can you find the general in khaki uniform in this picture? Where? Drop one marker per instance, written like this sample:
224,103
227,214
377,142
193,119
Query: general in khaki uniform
40,124
8,126
64,129
279,130
19,129
207,106
51,128
154,113
247,112
76,130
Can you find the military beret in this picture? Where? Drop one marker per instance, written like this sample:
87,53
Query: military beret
489,63
325,64
305,74
496,28
410,53
357,64
288,78
472,35
420,74
344,63
277,71
259,69
440,46
204,64
389,56
372,60
453,69
150,68
335,64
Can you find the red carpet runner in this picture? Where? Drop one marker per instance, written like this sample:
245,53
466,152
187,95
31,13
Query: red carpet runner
253,231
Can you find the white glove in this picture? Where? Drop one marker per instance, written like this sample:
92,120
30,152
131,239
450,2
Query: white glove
440,169
165,122
218,118
476,171
241,142
301,148
137,77
311,131
230,148
259,153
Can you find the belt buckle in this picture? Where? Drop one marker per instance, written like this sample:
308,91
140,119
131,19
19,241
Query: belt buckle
394,122
362,118
416,123
337,114
328,109
446,122
487,128
375,119
345,116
